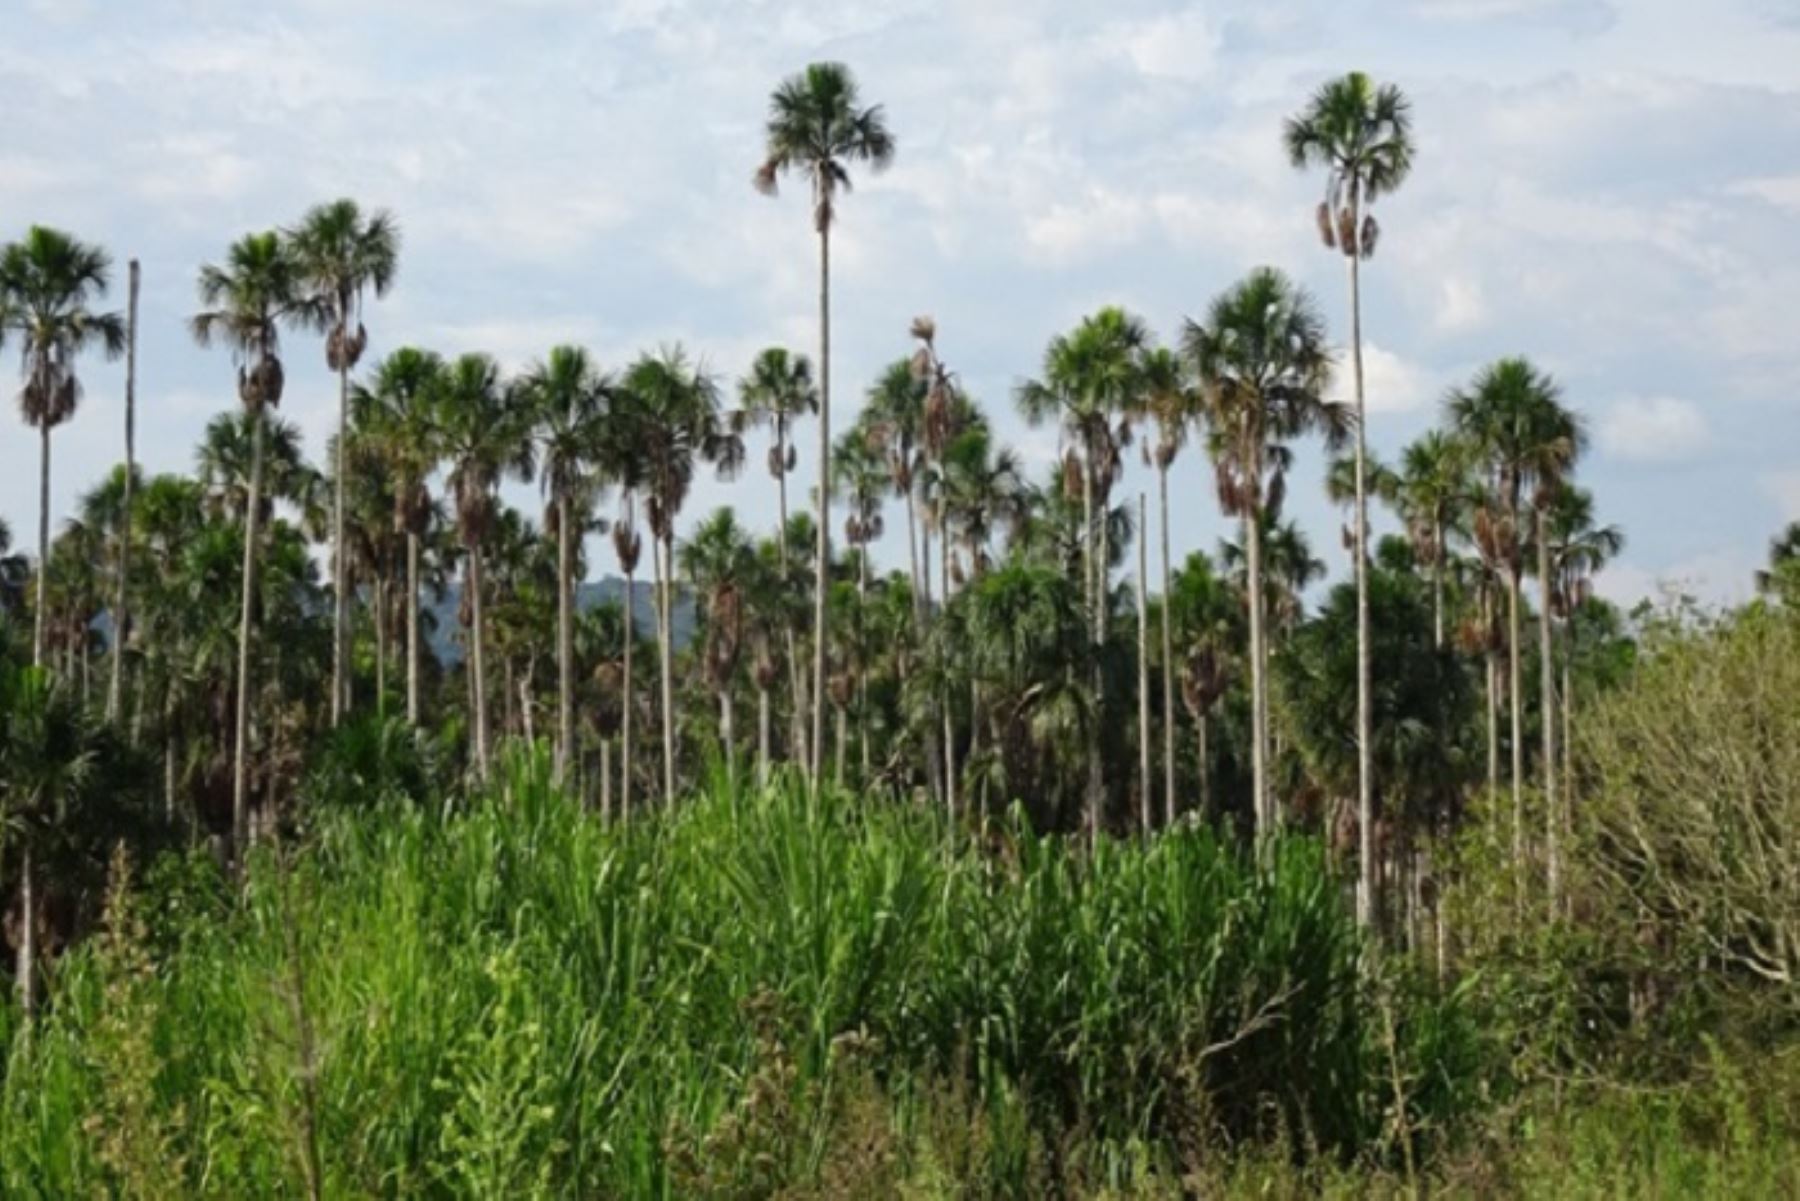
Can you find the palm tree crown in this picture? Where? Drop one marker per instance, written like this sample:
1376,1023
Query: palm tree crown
1361,134
817,127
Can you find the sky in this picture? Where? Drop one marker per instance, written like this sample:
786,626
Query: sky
1611,187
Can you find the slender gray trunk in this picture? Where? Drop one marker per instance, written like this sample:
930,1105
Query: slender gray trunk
762,737
663,550
842,723
1259,718
1206,805
26,959
1493,693
381,608
477,656
862,671
1518,714
606,806
1366,899
1146,786
1092,569
241,730
821,585
1437,587
796,682
944,696
340,562
728,736
1168,658
1547,694
1568,724
565,640
625,705
115,692
37,637
412,628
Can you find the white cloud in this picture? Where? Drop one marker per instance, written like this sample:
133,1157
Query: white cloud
1783,487
1715,578
1654,429
1180,46
1391,383
1783,191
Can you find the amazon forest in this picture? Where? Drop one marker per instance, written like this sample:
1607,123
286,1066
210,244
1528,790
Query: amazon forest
457,808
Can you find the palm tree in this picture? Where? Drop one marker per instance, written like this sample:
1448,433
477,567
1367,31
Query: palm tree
46,759
1432,491
1263,365
671,413
1090,385
1169,400
629,547
817,128
396,411
1361,135
48,281
243,304
120,618
778,391
1578,550
860,476
1512,416
569,397
1206,611
344,254
484,433
719,562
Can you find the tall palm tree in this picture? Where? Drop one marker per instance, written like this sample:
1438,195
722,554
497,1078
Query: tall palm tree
396,410
1512,416
1169,399
568,396
244,303
1433,492
818,128
48,283
671,410
1090,385
1361,134
778,391
120,615
1578,550
860,476
719,562
344,254
484,433
1264,364
46,760
628,545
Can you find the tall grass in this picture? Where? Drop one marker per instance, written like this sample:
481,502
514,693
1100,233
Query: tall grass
511,998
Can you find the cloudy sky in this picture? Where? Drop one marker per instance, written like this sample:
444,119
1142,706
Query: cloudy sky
1609,186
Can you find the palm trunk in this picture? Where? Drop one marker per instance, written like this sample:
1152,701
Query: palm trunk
1366,899
762,737
1205,760
1259,726
625,705
821,584
241,731
1547,694
1518,714
477,656
1095,782
1145,786
606,778
381,608
340,562
565,640
796,684
412,628
837,770
728,737
665,566
1437,587
862,671
115,692
1568,721
1493,692
1168,657
26,960
944,696
38,629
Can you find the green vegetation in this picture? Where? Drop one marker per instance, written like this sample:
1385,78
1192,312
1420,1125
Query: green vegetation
298,905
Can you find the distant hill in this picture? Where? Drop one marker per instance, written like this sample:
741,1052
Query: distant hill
446,638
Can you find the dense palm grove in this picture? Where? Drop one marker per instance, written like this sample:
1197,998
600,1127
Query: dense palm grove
185,649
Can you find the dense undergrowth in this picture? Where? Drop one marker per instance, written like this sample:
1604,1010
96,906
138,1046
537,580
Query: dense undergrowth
430,991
